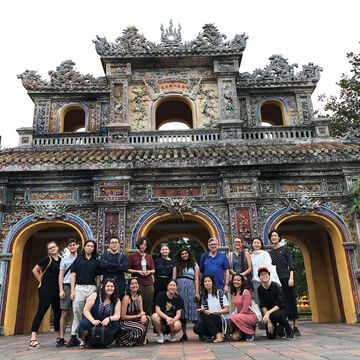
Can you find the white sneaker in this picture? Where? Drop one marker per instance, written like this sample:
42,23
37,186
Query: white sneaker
160,338
172,337
166,337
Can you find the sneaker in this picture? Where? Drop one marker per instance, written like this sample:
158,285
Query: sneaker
249,337
290,336
60,342
74,341
172,337
160,338
296,331
166,337
184,338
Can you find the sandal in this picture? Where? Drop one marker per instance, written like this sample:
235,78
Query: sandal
34,344
82,346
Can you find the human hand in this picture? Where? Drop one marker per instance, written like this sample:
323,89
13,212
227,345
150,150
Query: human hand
226,289
197,296
143,319
270,327
291,282
96,322
105,322
62,294
72,296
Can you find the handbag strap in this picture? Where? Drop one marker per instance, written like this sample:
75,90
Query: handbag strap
47,267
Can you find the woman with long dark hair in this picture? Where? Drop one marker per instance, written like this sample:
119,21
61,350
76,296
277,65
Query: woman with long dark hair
214,305
282,258
134,322
101,309
168,308
260,258
243,322
186,272
141,265
46,273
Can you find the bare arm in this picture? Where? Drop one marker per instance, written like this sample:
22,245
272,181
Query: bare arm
87,309
61,288
124,306
73,281
227,279
197,281
174,273
249,269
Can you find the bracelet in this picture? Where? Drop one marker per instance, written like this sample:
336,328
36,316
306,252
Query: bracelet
109,318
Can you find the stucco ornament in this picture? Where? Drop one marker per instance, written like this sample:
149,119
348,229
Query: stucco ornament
132,43
279,71
303,205
176,206
50,212
64,78
170,37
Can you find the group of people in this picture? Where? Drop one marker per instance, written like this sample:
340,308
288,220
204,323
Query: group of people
167,293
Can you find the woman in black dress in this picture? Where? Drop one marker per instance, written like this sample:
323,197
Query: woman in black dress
281,257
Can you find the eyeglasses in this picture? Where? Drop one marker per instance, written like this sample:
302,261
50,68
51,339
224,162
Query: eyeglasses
52,247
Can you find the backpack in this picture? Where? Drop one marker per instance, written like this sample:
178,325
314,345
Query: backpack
101,336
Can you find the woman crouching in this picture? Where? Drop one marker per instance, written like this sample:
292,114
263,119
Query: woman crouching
134,322
101,309
243,322
168,308
214,305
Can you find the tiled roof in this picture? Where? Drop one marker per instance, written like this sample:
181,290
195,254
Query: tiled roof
229,155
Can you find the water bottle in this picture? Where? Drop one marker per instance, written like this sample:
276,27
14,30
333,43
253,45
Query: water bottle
143,263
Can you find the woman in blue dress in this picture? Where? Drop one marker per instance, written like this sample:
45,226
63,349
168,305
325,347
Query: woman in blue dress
186,273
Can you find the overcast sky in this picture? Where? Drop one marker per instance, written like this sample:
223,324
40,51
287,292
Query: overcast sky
38,35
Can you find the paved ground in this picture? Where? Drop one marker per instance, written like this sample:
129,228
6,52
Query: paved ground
318,341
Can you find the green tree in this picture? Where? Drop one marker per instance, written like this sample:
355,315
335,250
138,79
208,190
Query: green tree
345,109
300,284
176,244
355,202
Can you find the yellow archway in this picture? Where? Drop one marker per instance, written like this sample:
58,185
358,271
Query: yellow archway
174,236
186,216
326,267
12,297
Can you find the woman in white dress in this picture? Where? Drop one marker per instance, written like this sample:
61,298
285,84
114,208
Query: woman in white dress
260,258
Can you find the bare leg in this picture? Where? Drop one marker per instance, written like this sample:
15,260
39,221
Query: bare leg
156,320
236,335
64,315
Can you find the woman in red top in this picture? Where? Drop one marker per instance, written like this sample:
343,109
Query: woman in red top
141,265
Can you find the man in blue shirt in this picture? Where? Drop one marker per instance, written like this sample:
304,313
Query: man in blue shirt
216,264
114,265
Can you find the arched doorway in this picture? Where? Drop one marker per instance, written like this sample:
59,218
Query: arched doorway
173,231
27,248
329,277
198,226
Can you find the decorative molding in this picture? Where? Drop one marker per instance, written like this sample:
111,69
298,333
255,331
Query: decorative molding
280,73
176,206
303,205
50,212
133,44
65,78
